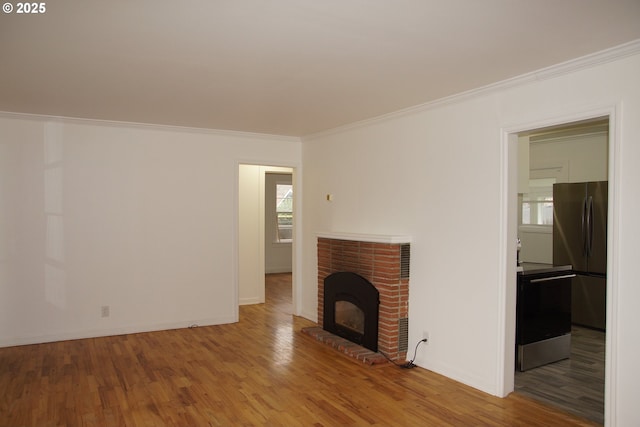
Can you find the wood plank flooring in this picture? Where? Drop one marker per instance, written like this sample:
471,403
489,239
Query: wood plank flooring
261,371
575,384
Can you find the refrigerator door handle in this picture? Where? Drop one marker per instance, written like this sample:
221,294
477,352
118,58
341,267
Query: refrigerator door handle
590,226
583,228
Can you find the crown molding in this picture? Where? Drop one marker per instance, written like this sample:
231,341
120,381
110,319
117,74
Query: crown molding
147,126
363,237
609,55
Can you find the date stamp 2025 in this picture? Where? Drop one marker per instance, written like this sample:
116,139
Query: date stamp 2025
24,8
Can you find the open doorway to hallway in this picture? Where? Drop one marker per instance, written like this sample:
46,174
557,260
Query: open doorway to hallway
265,229
278,219
278,239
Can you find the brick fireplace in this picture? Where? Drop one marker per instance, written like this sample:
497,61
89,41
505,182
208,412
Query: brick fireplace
384,262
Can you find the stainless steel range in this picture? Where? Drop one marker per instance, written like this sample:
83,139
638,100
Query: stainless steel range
543,314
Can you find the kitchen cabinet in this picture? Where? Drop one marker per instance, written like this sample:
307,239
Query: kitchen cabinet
523,164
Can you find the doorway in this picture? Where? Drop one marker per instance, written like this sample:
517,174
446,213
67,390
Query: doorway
278,239
569,153
278,222
265,236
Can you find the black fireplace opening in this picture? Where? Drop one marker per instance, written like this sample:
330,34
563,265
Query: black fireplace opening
351,308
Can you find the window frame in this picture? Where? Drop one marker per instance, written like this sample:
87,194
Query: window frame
279,200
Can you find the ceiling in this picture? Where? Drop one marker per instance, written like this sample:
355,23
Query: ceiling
286,67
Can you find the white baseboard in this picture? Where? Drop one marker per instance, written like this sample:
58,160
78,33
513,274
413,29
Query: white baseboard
277,270
313,316
75,335
250,301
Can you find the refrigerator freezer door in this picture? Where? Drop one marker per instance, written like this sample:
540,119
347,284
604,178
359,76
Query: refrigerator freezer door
589,301
569,204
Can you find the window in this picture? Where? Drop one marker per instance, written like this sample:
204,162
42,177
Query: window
537,204
284,212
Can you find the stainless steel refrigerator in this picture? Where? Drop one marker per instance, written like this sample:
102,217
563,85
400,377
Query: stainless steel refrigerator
580,239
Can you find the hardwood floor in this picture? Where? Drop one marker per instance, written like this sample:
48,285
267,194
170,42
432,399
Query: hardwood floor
261,371
575,384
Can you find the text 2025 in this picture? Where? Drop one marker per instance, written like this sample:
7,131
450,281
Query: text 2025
31,7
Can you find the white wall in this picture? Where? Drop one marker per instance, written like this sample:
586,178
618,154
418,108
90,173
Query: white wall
536,244
138,218
250,231
439,174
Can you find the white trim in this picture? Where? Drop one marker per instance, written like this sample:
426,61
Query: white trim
131,329
280,270
567,67
613,112
502,384
261,233
373,238
296,243
250,301
551,139
591,60
613,244
235,244
313,316
281,242
153,126
505,361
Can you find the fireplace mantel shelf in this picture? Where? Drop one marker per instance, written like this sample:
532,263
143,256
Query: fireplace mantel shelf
357,237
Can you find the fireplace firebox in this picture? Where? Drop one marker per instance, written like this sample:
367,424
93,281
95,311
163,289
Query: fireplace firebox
351,308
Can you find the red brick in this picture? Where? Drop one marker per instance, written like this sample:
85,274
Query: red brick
379,263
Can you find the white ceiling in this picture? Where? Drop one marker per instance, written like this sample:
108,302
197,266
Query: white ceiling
287,67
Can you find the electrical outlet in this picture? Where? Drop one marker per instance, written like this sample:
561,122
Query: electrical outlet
425,336
104,310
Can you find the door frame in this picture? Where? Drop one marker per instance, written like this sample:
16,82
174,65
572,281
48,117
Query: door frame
507,251
295,170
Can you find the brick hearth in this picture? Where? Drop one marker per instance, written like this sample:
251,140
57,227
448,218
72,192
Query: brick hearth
345,346
383,264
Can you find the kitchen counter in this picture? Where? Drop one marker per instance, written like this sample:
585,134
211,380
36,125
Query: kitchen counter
527,268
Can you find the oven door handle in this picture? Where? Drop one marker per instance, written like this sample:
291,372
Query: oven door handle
548,279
